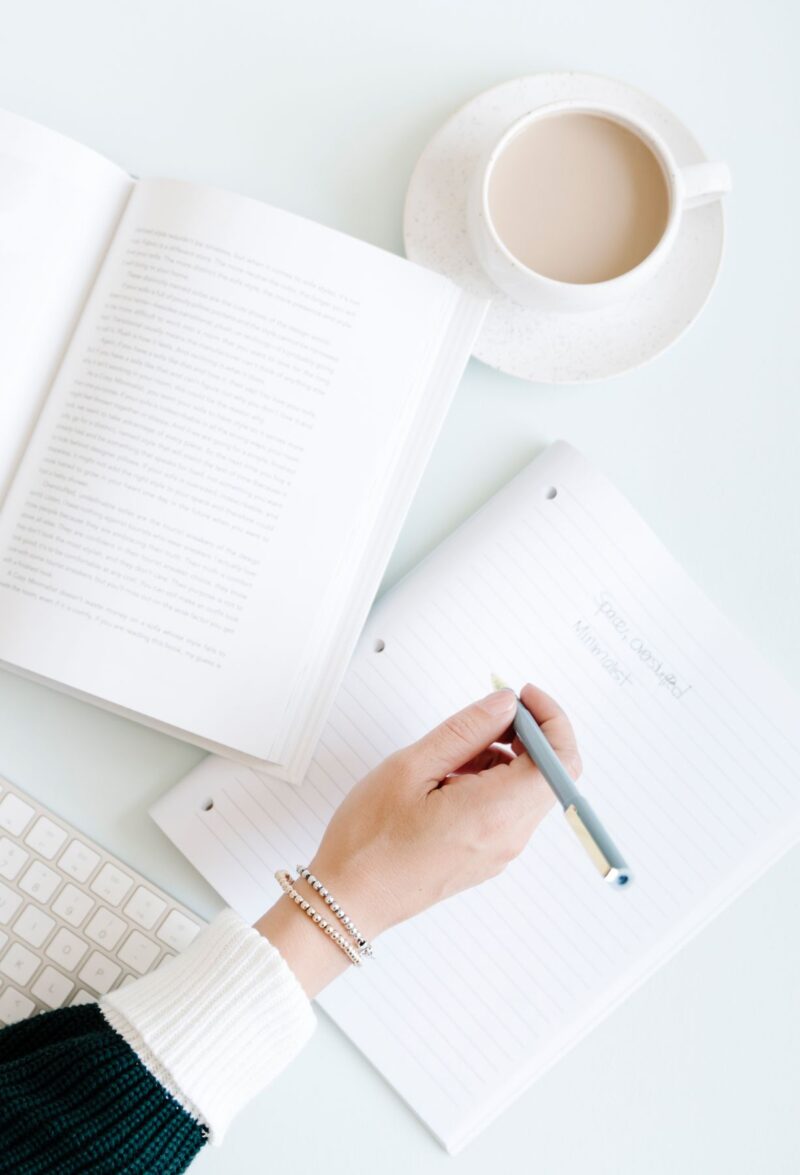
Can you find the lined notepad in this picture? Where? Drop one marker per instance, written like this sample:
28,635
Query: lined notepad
690,746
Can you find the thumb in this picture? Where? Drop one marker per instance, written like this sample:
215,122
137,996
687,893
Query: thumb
464,735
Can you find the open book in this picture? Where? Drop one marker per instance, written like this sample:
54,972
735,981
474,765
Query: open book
690,745
213,417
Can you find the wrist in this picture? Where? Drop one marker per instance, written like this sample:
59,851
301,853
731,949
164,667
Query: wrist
355,889
309,954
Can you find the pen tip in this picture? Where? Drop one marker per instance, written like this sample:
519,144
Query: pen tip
497,682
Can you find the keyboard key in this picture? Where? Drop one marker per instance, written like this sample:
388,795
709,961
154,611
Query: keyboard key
72,904
66,949
112,884
14,1006
138,953
12,858
82,996
33,926
9,903
52,988
19,964
145,908
99,973
105,928
40,882
46,838
79,860
101,927
177,930
15,814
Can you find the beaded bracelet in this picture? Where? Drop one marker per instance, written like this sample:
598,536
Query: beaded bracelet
364,947
284,880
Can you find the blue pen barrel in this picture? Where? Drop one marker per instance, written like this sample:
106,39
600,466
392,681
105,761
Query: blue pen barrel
534,740
599,847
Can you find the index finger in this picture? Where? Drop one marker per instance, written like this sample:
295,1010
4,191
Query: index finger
555,725
521,775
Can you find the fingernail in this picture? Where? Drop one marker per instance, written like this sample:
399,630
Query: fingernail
499,701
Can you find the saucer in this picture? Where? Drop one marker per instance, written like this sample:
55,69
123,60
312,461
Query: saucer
557,347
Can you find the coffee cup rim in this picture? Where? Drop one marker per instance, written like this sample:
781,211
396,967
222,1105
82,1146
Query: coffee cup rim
578,106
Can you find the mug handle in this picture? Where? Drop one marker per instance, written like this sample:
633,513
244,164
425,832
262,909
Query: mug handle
704,182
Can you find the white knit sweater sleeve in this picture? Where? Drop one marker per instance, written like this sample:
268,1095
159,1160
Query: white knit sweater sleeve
216,1024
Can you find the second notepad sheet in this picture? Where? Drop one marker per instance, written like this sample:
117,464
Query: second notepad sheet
689,744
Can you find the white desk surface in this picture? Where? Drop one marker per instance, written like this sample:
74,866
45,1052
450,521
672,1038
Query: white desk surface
322,108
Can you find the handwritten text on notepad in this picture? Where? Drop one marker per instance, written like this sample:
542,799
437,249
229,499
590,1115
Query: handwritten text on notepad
640,647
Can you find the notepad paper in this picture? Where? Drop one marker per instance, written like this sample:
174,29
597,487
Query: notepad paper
690,746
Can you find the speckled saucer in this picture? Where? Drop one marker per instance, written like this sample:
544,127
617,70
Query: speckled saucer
558,348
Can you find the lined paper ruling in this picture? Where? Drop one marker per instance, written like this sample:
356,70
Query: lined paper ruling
690,747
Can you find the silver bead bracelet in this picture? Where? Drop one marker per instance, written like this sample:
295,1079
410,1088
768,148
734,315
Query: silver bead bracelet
364,947
284,880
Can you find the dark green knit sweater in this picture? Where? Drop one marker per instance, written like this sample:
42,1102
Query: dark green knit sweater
75,1097
134,1084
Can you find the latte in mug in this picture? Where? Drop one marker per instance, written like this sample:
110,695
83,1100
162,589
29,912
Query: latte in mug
578,197
578,204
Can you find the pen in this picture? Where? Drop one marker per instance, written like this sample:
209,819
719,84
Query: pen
598,845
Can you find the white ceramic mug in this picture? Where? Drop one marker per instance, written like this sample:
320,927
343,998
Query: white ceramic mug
687,188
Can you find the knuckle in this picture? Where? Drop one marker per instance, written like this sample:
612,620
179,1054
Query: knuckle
400,767
512,847
493,824
573,762
518,842
541,799
496,868
459,728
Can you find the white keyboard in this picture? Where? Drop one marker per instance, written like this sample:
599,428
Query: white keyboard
75,922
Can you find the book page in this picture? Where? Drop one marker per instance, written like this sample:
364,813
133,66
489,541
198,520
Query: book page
59,206
690,746
213,459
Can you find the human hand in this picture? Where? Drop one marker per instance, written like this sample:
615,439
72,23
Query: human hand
441,815
435,818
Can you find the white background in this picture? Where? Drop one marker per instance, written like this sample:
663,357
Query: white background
322,107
